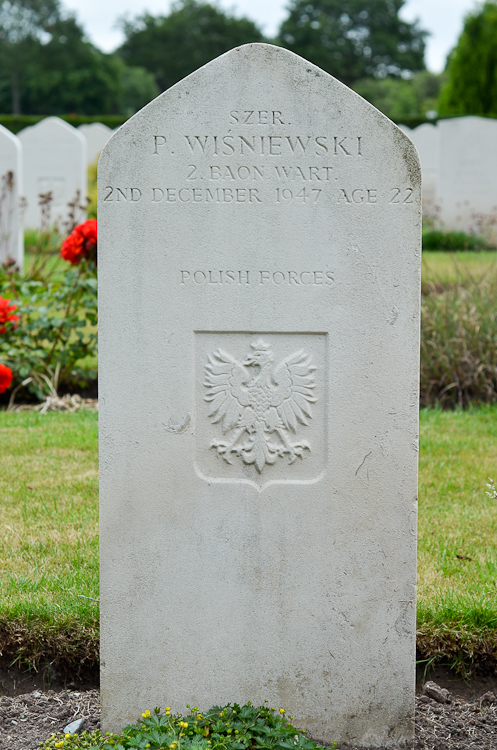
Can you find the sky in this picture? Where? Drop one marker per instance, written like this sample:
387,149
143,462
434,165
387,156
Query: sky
443,18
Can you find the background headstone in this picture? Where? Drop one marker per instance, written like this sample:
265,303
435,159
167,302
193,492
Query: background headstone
54,156
259,282
97,134
426,138
11,231
468,172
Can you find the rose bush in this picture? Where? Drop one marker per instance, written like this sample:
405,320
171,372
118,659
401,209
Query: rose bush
48,324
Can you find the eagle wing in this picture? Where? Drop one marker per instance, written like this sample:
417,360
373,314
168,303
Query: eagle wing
293,393
225,380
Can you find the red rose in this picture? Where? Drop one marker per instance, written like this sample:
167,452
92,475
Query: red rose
5,377
7,313
89,231
72,249
81,243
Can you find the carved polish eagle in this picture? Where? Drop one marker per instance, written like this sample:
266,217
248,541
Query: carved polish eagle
260,404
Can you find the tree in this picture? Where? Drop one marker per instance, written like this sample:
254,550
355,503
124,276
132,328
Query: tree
353,39
138,88
71,75
402,99
50,66
471,87
23,24
172,46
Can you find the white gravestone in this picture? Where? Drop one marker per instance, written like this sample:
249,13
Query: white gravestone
55,161
468,172
259,282
11,231
97,134
426,138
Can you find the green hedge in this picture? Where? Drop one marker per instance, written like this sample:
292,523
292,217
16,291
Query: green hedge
15,123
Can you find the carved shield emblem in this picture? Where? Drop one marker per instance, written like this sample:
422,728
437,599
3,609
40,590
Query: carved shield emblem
260,407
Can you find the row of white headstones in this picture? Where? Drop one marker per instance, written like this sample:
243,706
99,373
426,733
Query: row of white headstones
49,157
459,167
458,161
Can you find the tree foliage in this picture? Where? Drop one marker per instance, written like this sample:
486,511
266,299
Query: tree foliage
402,99
471,87
47,66
193,33
353,39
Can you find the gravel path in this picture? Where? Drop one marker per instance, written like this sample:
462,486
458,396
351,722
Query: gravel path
26,720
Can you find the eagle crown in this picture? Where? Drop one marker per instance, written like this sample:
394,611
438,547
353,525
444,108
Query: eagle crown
261,355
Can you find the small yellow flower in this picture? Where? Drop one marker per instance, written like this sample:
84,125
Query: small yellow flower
168,708
59,744
282,711
146,714
67,736
199,716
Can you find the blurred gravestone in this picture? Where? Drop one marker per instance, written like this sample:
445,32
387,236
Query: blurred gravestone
11,232
97,134
54,156
426,138
468,174
259,274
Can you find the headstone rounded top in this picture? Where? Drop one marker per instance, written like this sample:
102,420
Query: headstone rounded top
9,136
261,71
51,124
96,134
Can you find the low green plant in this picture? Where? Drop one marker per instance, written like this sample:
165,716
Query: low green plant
227,728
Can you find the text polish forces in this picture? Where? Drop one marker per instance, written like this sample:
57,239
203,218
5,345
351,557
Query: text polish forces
260,277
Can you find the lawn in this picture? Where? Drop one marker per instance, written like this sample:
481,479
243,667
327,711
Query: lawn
49,539
444,268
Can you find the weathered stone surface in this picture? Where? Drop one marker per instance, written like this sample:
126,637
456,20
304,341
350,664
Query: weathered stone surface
11,231
97,134
259,274
54,159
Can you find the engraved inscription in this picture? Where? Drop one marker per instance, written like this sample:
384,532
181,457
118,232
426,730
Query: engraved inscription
246,278
260,405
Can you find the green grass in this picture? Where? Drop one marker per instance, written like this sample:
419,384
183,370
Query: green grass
444,268
457,520
49,516
49,537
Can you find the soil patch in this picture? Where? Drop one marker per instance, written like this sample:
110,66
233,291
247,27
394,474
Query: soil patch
30,718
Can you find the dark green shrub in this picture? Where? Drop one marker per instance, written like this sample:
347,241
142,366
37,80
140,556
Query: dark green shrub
440,239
